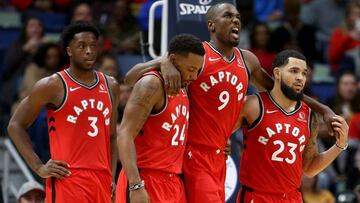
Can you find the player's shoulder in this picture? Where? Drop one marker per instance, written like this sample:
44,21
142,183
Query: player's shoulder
52,82
252,101
150,80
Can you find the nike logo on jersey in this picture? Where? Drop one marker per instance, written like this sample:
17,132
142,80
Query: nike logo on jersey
214,59
73,89
269,112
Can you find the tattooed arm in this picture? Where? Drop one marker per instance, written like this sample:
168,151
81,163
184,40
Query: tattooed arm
147,96
313,161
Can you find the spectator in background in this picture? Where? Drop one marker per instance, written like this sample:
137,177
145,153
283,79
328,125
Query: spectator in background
108,64
82,12
344,103
17,57
245,7
123,29
324,16
259,41
354,124
294,34
31,192
268,10
346,37
312,193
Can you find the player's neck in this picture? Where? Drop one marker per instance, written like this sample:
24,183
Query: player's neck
285,103
225,50
84,76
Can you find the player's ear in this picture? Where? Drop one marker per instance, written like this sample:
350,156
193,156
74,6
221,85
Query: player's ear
172,57
211,26
277,73
68,51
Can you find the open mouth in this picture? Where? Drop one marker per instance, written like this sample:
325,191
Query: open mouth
235,33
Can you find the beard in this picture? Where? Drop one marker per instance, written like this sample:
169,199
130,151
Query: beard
290,93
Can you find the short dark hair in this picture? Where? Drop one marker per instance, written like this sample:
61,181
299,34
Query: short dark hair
282,58
186,43
77,27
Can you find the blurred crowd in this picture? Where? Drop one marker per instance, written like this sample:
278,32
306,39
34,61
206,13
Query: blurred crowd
327,32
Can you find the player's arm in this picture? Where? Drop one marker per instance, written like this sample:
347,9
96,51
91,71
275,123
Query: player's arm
115,95
313,161
262,81
41,95
170,73
146,93
250,112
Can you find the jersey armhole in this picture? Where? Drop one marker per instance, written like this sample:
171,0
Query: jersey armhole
203,66
310,119
65,93
108,87
246,67
261,114
162,109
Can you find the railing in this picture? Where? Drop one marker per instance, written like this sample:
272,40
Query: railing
7,185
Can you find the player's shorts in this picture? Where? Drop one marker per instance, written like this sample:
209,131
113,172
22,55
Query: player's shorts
248,195
85,186
161,186
204,172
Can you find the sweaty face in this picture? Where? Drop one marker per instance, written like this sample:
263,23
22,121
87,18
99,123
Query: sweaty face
293,78
82,50
227,25
188,66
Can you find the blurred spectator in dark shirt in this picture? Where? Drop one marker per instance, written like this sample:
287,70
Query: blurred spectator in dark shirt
294,34
259,41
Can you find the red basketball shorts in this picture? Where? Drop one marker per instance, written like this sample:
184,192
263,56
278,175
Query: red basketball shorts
204,172
247,195
85,186
161,186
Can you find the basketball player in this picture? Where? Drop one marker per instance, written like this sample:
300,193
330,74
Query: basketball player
280,133
216,100
153,132
81,124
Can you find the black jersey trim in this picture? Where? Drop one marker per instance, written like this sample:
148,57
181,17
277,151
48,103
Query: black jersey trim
222,57
65,93
261,115
108,88
297,108
246,66
82,84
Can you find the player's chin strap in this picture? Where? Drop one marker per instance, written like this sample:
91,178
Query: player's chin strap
137,186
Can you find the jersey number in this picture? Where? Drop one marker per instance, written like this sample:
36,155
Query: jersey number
275,156
95,130
224,99
174,142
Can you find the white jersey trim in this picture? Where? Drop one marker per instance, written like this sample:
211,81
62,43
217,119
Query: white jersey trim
261,105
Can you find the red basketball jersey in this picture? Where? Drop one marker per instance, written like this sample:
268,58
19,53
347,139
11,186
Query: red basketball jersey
161,143
216,98
274,144
79,130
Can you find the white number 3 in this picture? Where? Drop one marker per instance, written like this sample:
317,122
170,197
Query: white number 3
95,131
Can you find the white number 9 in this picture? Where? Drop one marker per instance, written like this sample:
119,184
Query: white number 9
224,99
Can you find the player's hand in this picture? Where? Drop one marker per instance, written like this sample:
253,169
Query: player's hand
227,150
54,168
328,117
341,128
171,76
139,196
